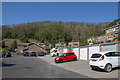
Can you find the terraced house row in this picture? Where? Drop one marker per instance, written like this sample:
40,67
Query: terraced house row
111,35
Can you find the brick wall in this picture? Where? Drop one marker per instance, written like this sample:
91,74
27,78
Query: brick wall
118,47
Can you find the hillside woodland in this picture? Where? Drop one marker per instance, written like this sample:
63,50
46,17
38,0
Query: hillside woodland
54,32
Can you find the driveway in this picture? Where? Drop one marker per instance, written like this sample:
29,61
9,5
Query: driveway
81,67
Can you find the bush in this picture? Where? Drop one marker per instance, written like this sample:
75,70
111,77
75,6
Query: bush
14,44
94,42
108,41
48,51
7,49
56,46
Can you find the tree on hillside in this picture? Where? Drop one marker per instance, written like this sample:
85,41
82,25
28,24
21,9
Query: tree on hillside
3,44
14,44
113,23
52,31
24,39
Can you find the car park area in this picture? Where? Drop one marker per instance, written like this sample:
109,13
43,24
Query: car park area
34,67
31,67
82,67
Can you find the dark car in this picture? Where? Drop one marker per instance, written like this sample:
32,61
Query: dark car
33,54
66,57
41,54
6,54
26,54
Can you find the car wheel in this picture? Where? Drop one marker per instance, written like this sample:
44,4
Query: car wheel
93,68
108,68
61,61
75,59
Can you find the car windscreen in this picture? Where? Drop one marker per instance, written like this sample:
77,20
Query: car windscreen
41,53
62,55
26,53
96,55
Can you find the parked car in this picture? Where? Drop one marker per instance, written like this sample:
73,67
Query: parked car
66,57
54,52
41,54
105,60
26,54
33,54
6,54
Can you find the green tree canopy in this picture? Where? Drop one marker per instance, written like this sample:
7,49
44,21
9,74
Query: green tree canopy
14,44
53,32
3,44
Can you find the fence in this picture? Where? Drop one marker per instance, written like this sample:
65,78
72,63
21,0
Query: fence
85,52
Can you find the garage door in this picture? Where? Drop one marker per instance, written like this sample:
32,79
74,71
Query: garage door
65,50
93,49
109,48
76,51
83,53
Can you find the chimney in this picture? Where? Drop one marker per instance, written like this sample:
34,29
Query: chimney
118,23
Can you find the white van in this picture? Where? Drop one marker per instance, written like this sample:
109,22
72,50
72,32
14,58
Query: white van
105,60
54,52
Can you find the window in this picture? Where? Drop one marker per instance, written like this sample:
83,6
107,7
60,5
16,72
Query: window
108,31
113,29
96,55
71,53
117,28
67,54
62,55
113,35
110,54
117,53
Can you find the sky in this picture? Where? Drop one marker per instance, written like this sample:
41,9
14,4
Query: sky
24,12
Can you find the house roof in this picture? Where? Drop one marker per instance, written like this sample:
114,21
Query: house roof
24,44
28,44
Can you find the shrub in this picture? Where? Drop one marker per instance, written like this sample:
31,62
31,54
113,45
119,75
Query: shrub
48,51
108,41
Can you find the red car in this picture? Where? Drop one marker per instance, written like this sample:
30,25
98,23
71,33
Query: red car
66,57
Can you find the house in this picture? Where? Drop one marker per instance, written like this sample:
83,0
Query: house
112,32
27,47
60,44
45,45
101,39
74,43
92,39
22,46
57,45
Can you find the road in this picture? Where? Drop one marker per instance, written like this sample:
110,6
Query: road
33,67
